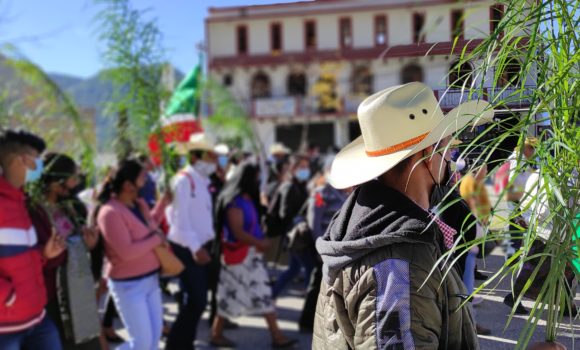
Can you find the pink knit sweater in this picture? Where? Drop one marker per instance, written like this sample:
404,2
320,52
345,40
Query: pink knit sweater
129,243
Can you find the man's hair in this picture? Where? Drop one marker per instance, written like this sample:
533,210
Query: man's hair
17,141
197,153
141,157
402,166
296,159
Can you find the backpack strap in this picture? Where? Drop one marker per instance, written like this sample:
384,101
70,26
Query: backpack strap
190,179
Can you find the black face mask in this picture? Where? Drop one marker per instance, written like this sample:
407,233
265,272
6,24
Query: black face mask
440,190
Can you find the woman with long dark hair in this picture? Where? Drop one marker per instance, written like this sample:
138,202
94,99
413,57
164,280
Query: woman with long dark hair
244,287
70,286
131,236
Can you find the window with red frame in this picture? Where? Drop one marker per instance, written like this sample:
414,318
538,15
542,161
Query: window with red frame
310,29
380,30
276,36
345,33
457,27
418,24
242,38
496,14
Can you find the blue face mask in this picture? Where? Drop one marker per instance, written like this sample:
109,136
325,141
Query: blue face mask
223,161
34,175
303,174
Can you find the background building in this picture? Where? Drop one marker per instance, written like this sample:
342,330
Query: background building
301,69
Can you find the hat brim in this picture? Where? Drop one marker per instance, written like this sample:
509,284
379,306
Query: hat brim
184,148
284,151
352,166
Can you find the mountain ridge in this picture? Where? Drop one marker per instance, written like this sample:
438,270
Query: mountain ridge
95,92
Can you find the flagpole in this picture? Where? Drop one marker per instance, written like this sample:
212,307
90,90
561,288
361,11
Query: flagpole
203,93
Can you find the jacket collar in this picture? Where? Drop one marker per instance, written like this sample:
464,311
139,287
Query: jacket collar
9,191
374,216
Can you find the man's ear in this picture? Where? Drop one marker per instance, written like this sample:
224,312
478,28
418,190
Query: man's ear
427,154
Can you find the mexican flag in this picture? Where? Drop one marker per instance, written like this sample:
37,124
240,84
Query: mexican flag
181,118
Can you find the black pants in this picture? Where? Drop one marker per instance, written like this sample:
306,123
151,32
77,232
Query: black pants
307,317
213,277
193,284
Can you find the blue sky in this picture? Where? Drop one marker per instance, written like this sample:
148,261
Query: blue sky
59,35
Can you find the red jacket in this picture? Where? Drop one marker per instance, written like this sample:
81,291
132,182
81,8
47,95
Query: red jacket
22,291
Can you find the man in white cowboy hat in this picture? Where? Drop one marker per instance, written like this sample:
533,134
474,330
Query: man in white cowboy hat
279,150
379,250
190,217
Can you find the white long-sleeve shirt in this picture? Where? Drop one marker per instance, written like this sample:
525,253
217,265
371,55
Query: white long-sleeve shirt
190,215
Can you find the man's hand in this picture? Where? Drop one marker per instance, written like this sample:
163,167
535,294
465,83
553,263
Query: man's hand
201,257
55,246
167,196
91,237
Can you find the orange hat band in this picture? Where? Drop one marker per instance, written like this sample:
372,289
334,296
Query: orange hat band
398,147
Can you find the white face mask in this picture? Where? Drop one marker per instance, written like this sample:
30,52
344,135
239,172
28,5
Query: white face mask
205,168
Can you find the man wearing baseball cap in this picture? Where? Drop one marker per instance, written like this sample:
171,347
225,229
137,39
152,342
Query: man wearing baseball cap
382,287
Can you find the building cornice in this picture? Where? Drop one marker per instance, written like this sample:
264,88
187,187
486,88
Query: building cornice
372,53
313,8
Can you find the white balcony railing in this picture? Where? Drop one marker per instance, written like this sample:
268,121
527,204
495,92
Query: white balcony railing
289,106
275,107
449,99
511,96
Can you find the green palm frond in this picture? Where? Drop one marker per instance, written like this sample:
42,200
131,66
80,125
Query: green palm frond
536,44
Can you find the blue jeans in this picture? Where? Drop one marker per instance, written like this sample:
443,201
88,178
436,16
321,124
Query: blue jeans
43,336
140,307
297,262
193,284
469,272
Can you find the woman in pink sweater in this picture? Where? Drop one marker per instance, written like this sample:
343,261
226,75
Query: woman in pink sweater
131,235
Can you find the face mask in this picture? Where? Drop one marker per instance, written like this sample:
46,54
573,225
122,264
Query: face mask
34,175
223,161
440,190
205,168
303,175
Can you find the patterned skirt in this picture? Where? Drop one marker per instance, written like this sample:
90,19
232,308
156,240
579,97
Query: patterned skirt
244,289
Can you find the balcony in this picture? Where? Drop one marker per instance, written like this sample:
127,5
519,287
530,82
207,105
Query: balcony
511,97
307,106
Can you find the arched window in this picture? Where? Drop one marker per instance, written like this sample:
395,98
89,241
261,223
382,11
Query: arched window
296,84
510,74
260,85
411,73
362,81
460,75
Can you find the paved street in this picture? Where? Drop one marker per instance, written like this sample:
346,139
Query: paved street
491,313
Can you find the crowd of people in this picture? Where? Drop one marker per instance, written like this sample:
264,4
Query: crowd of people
67,247
364,228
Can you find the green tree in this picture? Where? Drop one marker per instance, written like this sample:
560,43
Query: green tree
135,56
30,99
536,43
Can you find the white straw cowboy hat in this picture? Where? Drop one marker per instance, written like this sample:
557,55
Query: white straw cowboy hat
279,148
197,142
395,124
222,149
